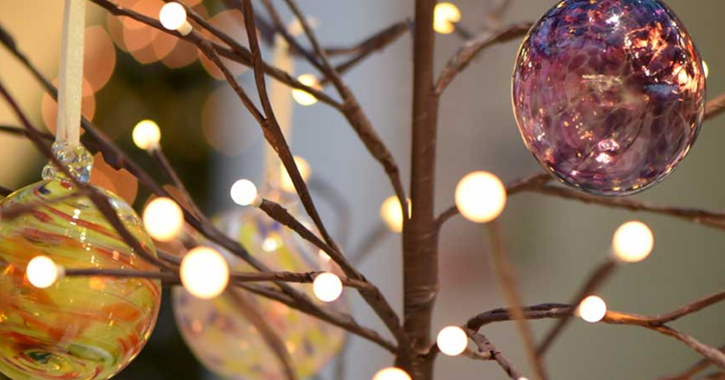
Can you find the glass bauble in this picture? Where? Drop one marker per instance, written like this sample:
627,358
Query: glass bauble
609,95
220,334
80,328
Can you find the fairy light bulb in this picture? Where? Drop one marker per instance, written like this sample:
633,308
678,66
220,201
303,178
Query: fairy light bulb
391,373
327,287
632,242
452,340
444,18
286,181
42,272
480,197
302,97
204,272
173,17
392,213
146,135
244,192
705,69
163,219
592,309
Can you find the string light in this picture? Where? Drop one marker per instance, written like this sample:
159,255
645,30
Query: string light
42,272
244,193
632,242
286,182
173,17
204,272
392,213
163,219
302,97
327,287
480,197
146,135
444,18
452,340
270,244
592,309
392,373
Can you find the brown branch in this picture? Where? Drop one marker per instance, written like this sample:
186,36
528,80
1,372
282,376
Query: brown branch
341,320
593,282
558,311
466,54
512,188
690,373
265,329
710,218
507,283
715,107
486,347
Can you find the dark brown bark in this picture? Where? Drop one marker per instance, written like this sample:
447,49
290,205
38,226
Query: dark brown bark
420,234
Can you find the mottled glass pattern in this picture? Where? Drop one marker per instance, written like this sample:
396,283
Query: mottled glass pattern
609,95
220,332
80,328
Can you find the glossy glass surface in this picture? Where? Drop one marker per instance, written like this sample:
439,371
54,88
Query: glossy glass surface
81,328
221,333
609,95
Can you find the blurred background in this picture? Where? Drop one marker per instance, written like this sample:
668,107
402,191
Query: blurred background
135,73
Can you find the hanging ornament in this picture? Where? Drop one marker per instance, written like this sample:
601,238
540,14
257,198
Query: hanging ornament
609,95
226,339
79,328
75,328
230,334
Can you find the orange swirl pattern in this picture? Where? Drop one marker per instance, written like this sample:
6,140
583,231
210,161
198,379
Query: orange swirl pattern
81,328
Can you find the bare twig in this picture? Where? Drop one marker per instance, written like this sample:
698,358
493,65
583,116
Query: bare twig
486,347
691,372
593,282
466,54
507,283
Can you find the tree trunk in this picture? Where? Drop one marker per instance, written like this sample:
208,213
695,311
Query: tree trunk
420,235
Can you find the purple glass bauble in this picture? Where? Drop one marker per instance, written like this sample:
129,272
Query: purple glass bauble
609,95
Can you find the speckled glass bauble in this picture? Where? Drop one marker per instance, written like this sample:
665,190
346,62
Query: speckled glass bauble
609,95
80,328
222,334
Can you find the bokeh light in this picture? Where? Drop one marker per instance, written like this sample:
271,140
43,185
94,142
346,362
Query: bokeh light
452,340
327,287
592,309
480,197
204,272
42,272
633,242
163,219
392,213
445,17
303,97
391,373
230,22
286,181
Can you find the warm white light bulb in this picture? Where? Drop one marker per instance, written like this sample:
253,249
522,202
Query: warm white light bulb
286,182
244,192
146,134
452,340
327,287
633,242
392,213
391,373
592,309
163,219
303,97
173,16
445,17
705,69
204,272
480,197
42,272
